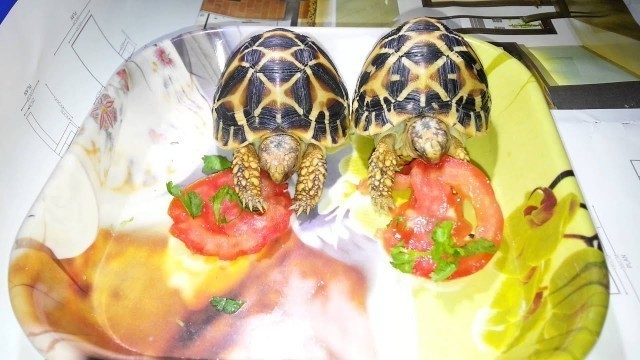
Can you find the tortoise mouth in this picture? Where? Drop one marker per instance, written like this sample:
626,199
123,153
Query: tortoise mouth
429,138
279,156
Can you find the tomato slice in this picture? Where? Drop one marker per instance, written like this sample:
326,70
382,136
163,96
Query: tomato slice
244,233
438,193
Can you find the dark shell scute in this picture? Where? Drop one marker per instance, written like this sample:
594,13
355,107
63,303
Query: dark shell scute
255,93
253,56
424,54
401,71
423,26
233,80
450,84
395,43
266,120
301,95
279,67
305,55
292,120
326,77
335,110
380,59
277,42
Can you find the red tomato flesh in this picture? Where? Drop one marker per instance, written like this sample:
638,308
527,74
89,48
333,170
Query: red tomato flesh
438,192
244,233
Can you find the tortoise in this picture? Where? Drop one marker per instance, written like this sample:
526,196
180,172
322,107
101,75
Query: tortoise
422,91
279,105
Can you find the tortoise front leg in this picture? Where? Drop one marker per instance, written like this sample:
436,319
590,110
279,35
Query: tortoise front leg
246,177
311,176
383,165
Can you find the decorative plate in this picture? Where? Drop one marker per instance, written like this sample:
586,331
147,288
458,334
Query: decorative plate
95,273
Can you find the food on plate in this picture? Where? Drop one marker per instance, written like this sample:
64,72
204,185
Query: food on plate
432,235
226,305
124,297
421,92
209,219
279,104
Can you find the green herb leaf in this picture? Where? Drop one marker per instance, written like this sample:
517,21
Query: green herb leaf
192,201
444,270
226,305
479,246
214,164
398,220
445,253
225,192
443,243
174,190
403,259
442,238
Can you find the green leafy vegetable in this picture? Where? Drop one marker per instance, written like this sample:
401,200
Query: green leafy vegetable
444,269
479,246
191,199
398,220
226,305
214,164
403,258
445,253
225,192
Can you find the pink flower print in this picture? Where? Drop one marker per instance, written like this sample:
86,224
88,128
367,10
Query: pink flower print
124,79
104,113
163,57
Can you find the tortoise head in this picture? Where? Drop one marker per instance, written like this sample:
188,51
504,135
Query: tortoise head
429,138
279,156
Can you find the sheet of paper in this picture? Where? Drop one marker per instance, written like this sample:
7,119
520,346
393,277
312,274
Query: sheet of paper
604,151
55,59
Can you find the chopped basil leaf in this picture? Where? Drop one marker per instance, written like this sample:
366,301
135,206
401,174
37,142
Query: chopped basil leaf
397,220
193,204
445,253
403,259
214,163
444,270
192,201
225,192
226,305
479,246
174,190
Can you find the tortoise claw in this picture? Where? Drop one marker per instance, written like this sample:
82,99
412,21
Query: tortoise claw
383,204
254,205
299,208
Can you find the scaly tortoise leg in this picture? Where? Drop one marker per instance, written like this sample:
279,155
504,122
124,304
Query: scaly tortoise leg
311,176
383,165
246,177
457,150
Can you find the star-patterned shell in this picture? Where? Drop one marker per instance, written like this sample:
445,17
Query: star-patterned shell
280,81
421,68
